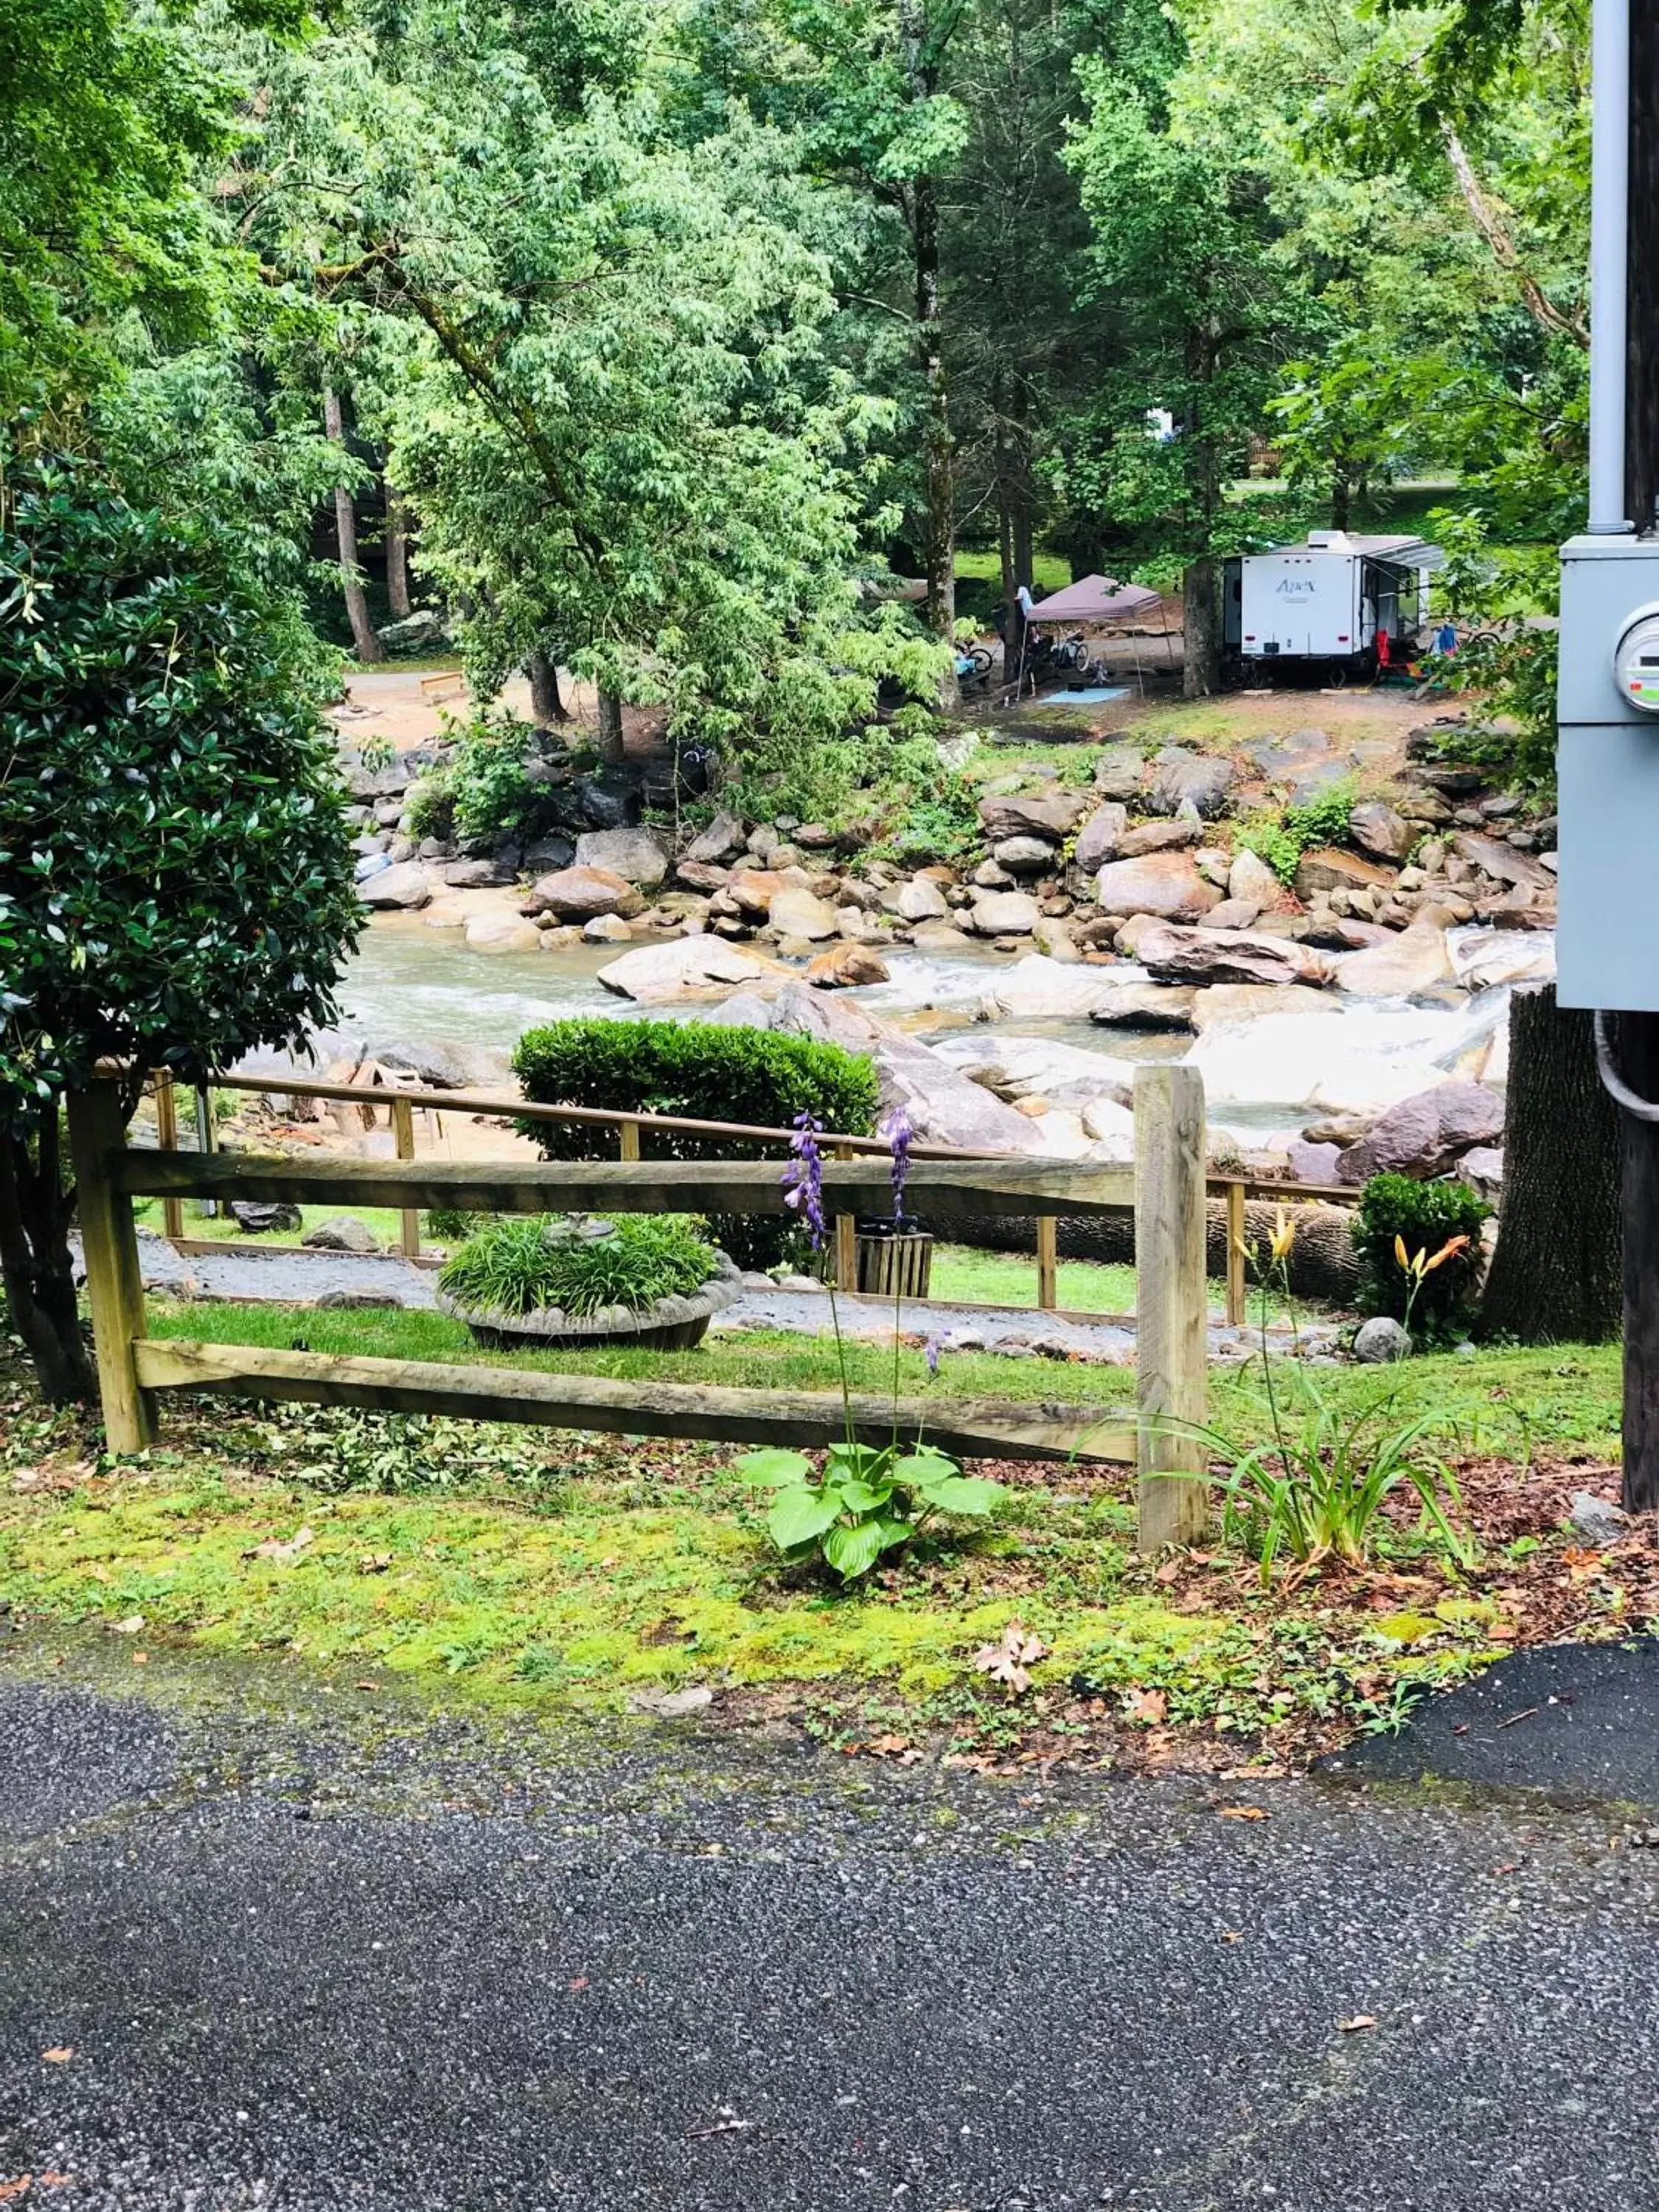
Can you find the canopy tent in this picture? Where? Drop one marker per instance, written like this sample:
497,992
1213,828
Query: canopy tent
1093,599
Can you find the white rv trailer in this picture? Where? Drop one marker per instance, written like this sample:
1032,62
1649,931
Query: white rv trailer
1328,602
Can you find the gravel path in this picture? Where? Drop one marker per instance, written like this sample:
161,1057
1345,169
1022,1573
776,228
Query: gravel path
270,1947
286,1275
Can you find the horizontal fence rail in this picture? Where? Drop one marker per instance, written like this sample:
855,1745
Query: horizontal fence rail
989,1427
944,1190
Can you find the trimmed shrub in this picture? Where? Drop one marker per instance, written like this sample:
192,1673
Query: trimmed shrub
1424,1216
522,1263
706,1073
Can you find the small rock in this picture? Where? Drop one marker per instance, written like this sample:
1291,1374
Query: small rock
258,1217
341,1232
1118,772
669,1704
1101,835
1181,777
1004,914
920,899
1597,1521
1025,856
1380,1341
607,929
1379,829
718,841
363,1301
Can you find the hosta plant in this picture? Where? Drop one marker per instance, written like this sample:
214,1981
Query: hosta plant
869,1499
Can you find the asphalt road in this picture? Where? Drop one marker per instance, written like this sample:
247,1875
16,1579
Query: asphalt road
311,1949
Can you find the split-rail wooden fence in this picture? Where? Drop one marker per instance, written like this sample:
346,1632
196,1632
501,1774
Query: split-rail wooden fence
1159,1434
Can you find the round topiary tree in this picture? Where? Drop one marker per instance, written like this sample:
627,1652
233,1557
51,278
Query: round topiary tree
175,872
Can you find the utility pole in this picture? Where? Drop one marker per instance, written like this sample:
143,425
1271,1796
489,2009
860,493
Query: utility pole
1609,704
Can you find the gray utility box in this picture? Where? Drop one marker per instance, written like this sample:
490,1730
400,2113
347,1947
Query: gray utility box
1607,712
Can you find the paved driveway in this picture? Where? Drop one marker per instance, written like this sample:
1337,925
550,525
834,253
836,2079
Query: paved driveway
308,1949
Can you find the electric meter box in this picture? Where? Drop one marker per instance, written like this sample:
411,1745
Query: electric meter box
1607,760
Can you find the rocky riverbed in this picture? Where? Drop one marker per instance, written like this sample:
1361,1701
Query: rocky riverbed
1351,1017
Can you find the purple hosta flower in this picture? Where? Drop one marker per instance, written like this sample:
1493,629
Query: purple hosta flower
930,1352
803,1179
899,1136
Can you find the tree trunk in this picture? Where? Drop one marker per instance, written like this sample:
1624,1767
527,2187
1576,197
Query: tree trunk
609,743
1555,1275
1639,1063
36,1267
546,702
367,644
1201,631
396,558
939,451
1342,500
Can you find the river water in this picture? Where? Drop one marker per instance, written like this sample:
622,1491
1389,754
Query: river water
1263,1077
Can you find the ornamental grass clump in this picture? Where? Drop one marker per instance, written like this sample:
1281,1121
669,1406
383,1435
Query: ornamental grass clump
526,1263
1316,1488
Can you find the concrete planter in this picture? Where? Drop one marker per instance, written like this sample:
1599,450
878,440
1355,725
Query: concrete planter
670,1325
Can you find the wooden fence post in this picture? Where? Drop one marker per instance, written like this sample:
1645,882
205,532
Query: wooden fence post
166,1136
628,1146
1171,1305
846,1239
402,1127
1048,1241
115,1287
1238,1304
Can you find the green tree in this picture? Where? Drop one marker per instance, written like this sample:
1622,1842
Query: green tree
175,875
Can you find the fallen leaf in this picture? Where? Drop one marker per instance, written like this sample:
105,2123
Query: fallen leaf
1360,2020
365,1685
141,1658
1169,1572
1009,1659
1243,1812
374,1563
59,2054
1149,1707
20,2187
886,1746
129,1627
580,1983
1232,1935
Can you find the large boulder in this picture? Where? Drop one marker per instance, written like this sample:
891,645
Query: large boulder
1119,771
1004,914
1171,954
801,914
502,933
684,970
919,898
845,967
1415,961
1098,840
722,839
945,1107
1251,879
1224,1003
405,885
577,894
638,856
1144,1007
341,1232
1425,1134
1496,858
1157,837
1025,856
1376,826
1037,989
1053,817
1166,884
1182,777
1329,869
754,890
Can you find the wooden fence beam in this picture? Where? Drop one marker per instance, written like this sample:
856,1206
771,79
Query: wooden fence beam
109,1246
1238,1293
166,1136
1171,1305
938,1190
997,1428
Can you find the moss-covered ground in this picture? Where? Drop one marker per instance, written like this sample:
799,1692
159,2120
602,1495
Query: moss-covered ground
524,1567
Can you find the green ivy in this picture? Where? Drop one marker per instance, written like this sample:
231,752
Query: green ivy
1280,840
